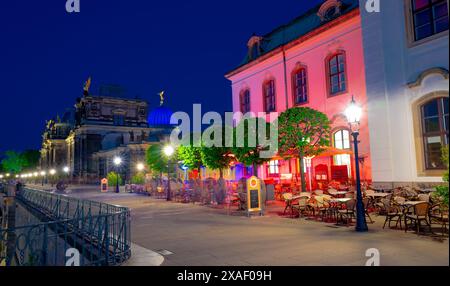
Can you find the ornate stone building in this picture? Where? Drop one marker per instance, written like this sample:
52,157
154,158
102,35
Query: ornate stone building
99,128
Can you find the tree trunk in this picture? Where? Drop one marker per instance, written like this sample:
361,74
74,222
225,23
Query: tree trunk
255,170
302,171
221,173
199,170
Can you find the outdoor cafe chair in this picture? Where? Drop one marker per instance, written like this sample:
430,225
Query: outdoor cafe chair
420,214
439,215
367,205
323,205
301,206
348,212
393,212
287,197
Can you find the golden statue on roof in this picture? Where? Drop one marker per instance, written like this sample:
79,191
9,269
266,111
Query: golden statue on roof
161,98
86,86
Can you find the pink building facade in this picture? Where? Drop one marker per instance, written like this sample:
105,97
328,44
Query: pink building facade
315,61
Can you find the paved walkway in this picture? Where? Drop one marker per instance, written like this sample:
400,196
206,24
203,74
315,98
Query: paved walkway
187,234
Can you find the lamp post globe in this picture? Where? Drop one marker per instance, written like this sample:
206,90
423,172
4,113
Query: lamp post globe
168,150
353,114
140,167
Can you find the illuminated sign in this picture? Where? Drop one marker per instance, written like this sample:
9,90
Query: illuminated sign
104,185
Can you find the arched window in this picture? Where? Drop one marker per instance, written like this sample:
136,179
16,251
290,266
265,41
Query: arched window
337,80
341,140
269,96
245,101
300,89
435,121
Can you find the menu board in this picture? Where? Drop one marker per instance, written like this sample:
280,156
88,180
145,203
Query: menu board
253,194
254,199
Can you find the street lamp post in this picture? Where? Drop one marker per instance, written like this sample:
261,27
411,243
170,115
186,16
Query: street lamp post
66,170
117,162
353,114
168,151
43,173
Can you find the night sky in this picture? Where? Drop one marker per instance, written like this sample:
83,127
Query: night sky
182,47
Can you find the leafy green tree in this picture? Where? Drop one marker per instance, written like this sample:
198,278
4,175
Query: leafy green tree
442,191
138,179
14,162
112,179
31,158
302,132
214,157
156,161
249,151
191,155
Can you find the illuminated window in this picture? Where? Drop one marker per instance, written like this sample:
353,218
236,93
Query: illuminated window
341,140
245,101
435,121
273,167
269,96
300,86
429,17
336,74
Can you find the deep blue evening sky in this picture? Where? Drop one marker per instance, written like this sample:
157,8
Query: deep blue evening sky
183,47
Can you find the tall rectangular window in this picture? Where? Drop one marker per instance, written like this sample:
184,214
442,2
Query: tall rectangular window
269,96
300,87
336,73
273,168
429,17
245,101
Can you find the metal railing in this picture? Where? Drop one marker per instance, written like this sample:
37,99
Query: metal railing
99,232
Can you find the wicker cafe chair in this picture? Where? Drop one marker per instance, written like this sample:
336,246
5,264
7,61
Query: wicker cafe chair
367,204
348,212
322,206
439,215
421,213
393,212
301,206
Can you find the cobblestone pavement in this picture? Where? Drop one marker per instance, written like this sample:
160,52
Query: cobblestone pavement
188,234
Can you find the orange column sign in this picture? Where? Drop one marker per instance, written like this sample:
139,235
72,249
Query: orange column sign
104,185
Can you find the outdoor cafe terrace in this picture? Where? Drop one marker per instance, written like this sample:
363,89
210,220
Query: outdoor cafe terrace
403,209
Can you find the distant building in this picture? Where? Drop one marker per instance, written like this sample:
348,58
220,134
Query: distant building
101,127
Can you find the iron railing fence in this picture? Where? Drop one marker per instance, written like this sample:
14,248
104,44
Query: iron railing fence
99,232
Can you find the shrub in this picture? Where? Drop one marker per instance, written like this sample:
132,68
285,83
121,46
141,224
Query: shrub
138,179
112,179
442,191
